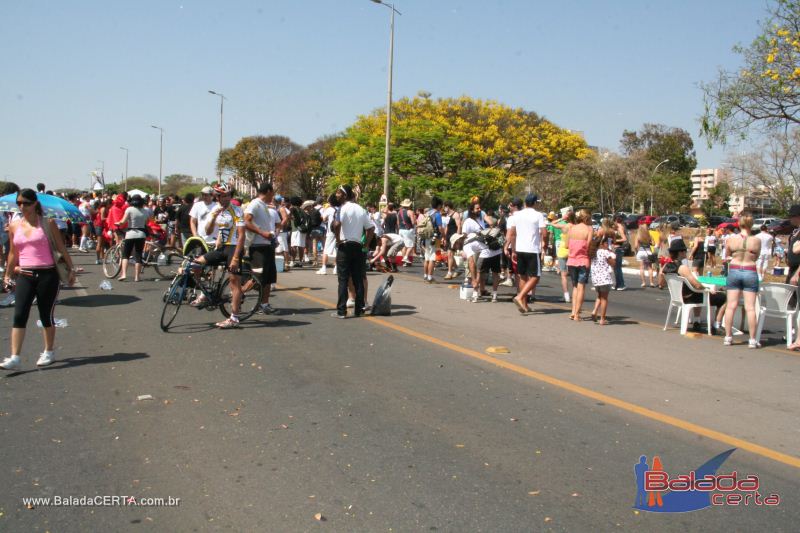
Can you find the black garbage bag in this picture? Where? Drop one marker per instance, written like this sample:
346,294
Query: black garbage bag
382,304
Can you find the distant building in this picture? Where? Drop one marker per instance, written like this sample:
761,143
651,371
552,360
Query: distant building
757,200
703,179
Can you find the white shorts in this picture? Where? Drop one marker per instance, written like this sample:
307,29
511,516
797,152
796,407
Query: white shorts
408,236
330,245
429,250
283,243
299,239
763,260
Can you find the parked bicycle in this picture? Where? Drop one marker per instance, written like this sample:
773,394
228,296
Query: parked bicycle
164,260
194,280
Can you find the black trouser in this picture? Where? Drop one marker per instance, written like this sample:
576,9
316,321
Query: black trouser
44,285
792,270
350,263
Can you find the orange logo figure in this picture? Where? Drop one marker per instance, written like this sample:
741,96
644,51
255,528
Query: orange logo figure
654,496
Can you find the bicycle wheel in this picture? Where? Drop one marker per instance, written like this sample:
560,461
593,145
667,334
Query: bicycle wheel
250,298
166,261
112,261
173,301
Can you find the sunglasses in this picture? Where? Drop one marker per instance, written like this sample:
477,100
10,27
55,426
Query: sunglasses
23,203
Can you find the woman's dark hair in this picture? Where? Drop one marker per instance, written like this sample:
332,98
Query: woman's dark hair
296,201
136,201
30,195
189,198
594,244
333,201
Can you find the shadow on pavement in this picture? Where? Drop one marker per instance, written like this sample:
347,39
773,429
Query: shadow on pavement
99,300
300,311
89,360
298,289
248,324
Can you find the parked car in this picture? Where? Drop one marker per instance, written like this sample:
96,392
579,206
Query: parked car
632,221
646,220
688,221
666,219
716,220
766,221
781,227
724,225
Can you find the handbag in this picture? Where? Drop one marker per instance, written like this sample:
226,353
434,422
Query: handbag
60,263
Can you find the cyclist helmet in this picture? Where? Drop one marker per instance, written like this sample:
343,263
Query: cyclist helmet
222,188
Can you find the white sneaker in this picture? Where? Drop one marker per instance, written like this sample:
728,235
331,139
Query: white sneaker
45,359
351,303
566,297
494,296
507,283
334,271
322,271
11,363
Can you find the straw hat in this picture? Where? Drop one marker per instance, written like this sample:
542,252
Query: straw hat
405,203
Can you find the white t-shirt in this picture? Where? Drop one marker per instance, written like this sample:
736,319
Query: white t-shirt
355,220
471,226
199,213
766,243
228,222
327,218
263,218
394,238
528,224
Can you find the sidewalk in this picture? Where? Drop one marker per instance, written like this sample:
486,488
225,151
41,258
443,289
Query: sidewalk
747,394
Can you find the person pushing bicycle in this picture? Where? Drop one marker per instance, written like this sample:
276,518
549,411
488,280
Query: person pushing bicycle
226,221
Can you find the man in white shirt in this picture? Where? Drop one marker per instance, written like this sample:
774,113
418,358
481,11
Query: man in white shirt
767,240
198,216
259,219
527,232
351,225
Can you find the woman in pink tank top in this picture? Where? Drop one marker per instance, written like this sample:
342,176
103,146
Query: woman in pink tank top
30,261
578,261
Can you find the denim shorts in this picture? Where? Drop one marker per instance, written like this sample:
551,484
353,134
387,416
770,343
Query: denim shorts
579,274
742,280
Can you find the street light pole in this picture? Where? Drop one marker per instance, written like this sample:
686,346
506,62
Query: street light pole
102,172
221,108
160,157
125,186
652,175
387,148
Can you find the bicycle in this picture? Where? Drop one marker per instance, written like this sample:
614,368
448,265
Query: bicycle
162,259
194,280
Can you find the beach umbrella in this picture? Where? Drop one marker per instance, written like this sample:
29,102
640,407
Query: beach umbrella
53,207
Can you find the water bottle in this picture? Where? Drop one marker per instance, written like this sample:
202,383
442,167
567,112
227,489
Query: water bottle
162,260
105,285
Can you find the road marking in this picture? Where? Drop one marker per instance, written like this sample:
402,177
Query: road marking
582,391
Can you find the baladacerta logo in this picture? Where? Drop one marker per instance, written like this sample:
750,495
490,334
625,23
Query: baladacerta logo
658,492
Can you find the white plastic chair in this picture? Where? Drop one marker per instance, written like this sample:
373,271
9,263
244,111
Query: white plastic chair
775,303
675,284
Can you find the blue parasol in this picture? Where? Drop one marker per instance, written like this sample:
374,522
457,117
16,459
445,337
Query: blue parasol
53,207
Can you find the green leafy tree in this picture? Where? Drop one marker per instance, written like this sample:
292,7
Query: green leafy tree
763,94
717,201
256,158
175,182
453,148
146,183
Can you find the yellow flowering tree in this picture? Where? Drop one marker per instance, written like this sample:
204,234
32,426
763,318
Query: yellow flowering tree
454,148
765,93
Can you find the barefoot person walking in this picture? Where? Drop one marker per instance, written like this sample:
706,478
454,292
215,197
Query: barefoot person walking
31,261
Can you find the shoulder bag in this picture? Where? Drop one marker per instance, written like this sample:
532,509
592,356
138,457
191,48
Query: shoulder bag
58,259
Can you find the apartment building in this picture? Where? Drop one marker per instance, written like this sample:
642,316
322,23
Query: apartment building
703,179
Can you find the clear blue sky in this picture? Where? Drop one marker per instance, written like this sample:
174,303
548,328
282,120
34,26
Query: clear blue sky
79,79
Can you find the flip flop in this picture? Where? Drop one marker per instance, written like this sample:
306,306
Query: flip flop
522,308
602,322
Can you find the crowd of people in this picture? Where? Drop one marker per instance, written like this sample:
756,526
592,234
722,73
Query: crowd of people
511,246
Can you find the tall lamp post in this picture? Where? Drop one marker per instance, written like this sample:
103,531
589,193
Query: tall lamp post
102,172
388,97
652,175
221,108
125,186
160,157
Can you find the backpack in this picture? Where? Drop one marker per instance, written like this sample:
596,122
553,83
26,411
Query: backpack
299,220
316,218
425,227
492,237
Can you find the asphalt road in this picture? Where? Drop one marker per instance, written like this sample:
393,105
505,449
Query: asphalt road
299,422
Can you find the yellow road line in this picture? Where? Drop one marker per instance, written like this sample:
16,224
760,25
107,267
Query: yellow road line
583,391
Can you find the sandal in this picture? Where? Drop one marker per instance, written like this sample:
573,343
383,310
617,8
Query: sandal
594,317
520,306
602,323
228,323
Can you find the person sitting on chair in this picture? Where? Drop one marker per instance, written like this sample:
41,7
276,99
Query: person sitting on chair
680,265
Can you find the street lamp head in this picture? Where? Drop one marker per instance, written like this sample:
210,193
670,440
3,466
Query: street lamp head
212,92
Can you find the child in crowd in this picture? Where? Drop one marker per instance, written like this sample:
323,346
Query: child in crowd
602,272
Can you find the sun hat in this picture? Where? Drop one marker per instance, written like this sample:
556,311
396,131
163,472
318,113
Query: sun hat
406,203
307,203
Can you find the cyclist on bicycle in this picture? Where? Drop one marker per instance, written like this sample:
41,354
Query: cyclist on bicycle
226,221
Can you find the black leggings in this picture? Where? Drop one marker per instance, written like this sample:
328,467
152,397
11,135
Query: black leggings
133,245
44,285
